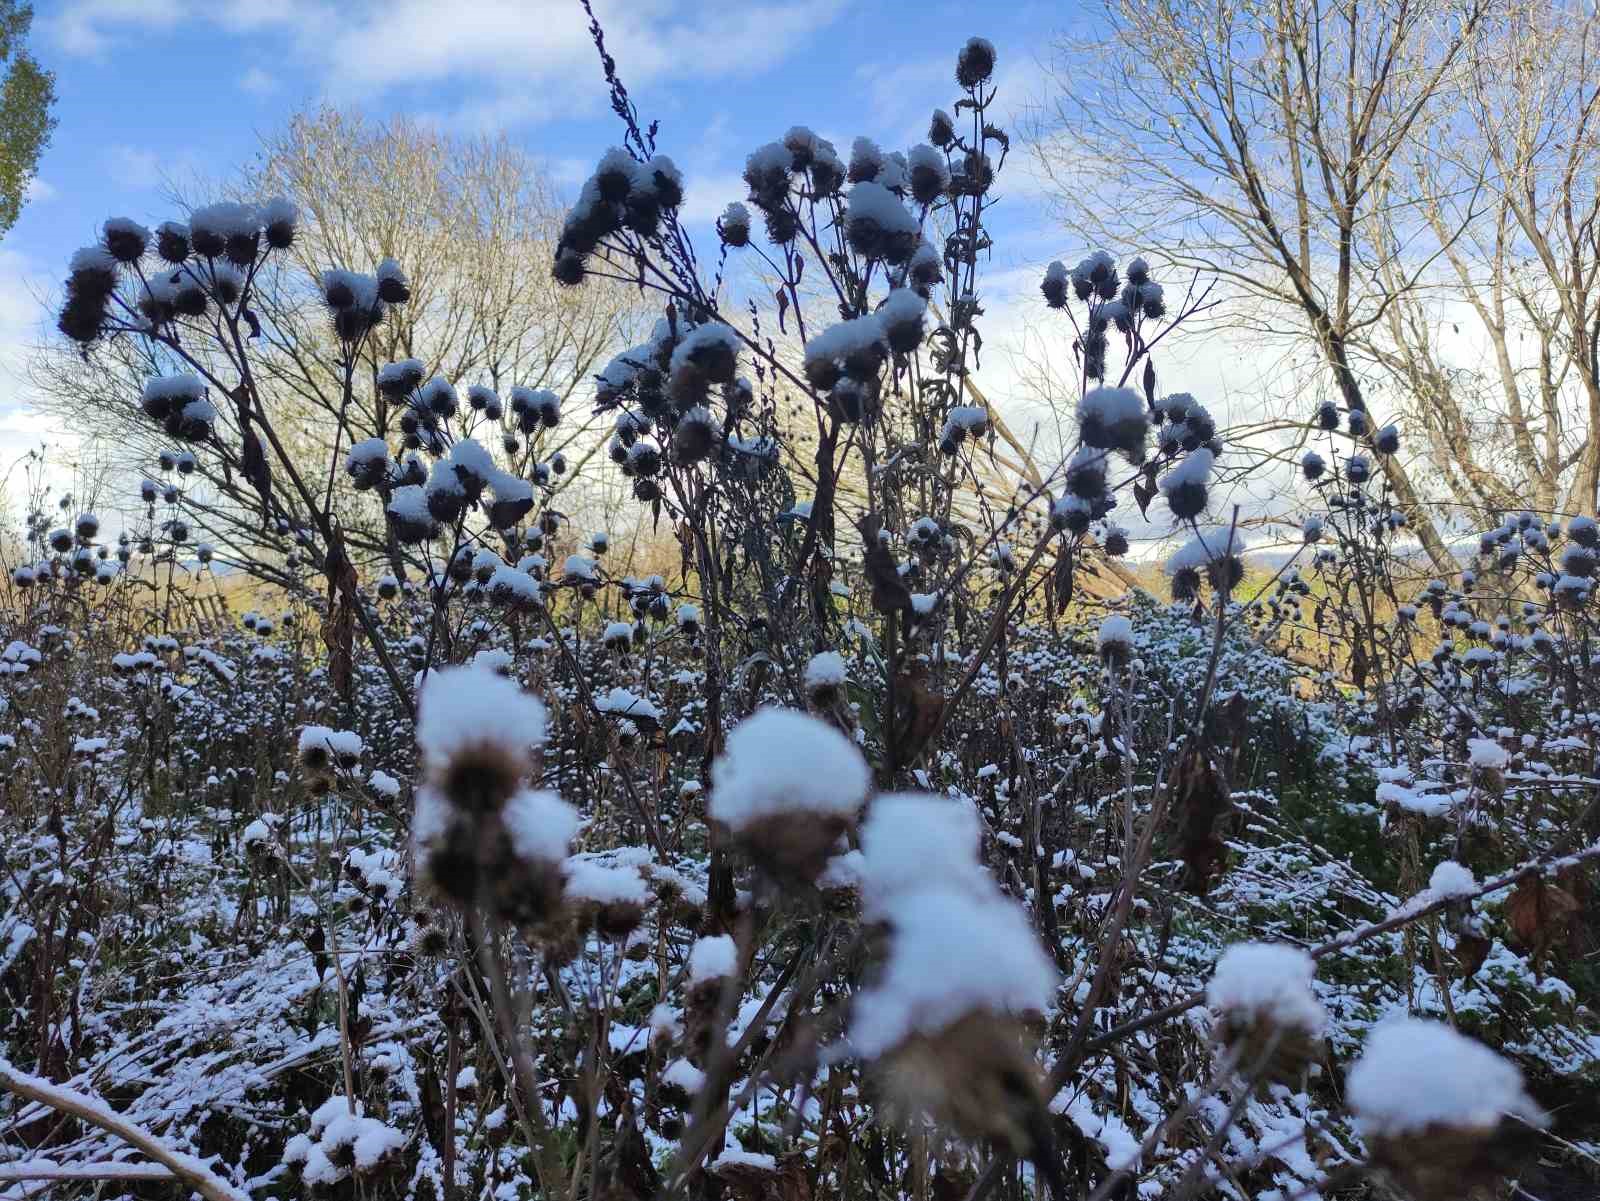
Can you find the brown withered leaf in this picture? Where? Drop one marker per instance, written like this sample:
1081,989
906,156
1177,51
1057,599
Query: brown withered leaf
627,1171
1538,913
1144,489
889,592
1228,722
1062,582
1581,933
1200,800
339,626
1358,666
1471,951
920,710
794,1184
253,462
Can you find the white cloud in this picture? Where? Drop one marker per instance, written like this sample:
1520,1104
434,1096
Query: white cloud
258,82
133,167
92,27
24,320
39,191
517,61
706,196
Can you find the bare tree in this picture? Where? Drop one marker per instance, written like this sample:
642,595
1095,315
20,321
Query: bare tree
1505,184
472,222
1268,133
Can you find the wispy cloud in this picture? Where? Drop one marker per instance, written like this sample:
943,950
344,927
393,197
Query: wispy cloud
512,61
94,27
258,82
134,167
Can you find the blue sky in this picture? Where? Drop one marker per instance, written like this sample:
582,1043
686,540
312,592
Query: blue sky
152,90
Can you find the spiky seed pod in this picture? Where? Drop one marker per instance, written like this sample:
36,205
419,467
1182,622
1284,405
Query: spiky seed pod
1187,500
853,400
242,246
279,218
694,437
445,504
81,319
645,459
92,275
192,422
734,225
189,298
975,63
226,284
172,242
569,269
665,180
1054,286
125,240
941,129
1086,475
1265,1012
1185,584
976,1076
353,324
782,226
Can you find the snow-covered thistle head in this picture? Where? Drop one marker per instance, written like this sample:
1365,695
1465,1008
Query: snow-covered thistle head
975,63
824,679
393,286
734,225
1187,485
1217,553
279,220
125,240
878,225
1055,285
172,242
508,860
477,733
325,752
606,893
353,303
1264,1009
1114,640
1114,419
944,1018
787,786
1441,1114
